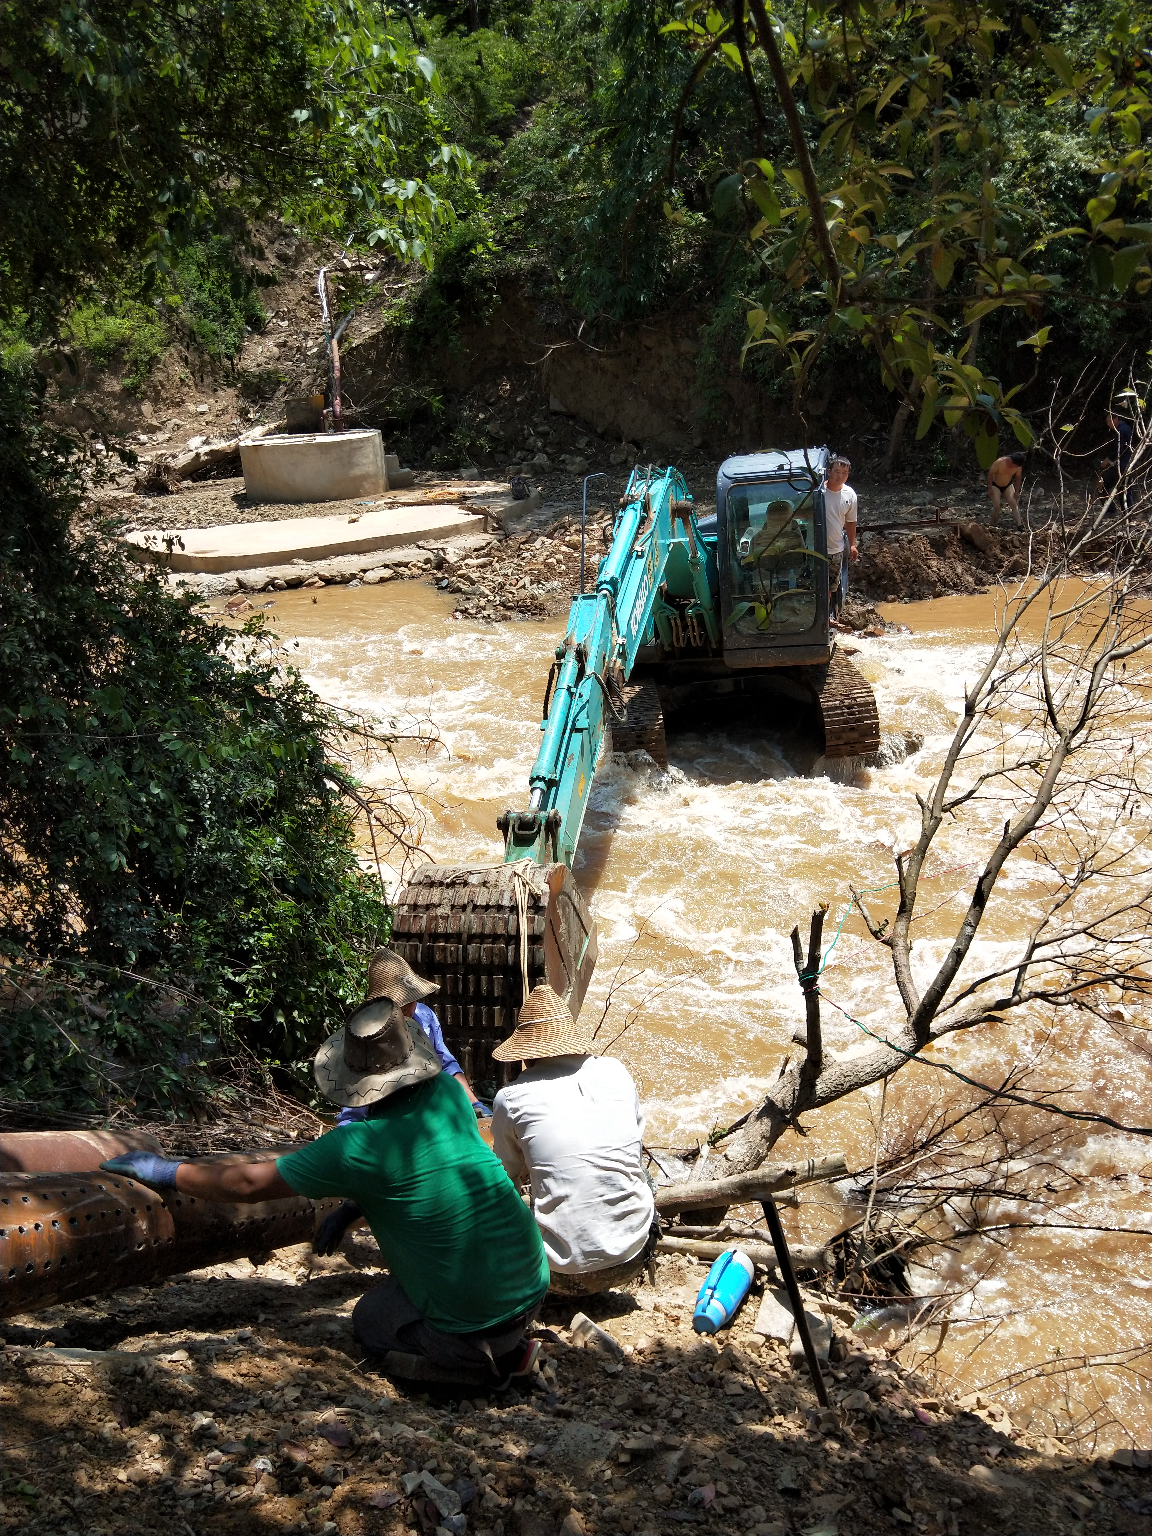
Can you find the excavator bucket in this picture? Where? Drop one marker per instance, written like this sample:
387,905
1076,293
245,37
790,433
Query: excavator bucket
487,937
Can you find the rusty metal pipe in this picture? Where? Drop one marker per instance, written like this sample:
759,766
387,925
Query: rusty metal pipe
64,1236
68,1151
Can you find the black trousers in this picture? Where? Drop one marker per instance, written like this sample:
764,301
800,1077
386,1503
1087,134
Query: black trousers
386,1319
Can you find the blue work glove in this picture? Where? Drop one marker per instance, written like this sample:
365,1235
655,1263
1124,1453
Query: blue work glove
147,1167
334,1226
481,1111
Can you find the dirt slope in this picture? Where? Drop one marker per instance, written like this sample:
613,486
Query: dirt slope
233,1401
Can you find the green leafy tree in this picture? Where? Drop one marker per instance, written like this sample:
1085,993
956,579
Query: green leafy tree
126,130
178,848
893,225
178,840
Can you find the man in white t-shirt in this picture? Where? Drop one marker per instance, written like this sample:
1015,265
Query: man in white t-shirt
840,504
570,1127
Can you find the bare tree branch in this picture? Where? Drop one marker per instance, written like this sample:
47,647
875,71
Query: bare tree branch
1050,742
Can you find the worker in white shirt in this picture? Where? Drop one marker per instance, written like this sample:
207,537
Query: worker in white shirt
840,503
570,1127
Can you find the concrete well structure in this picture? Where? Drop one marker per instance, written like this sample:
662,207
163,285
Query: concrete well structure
314,466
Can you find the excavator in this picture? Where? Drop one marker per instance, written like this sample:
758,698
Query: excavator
723,617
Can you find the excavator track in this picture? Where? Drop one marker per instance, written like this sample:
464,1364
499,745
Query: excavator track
462,928
643,730
848,708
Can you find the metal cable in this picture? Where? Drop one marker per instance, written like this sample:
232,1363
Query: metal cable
620,715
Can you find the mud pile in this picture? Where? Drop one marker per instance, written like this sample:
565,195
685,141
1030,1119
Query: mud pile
913,566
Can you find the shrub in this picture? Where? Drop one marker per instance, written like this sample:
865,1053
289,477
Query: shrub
178,854
218,300
129,329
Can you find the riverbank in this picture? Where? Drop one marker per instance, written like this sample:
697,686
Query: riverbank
914,546
235,1400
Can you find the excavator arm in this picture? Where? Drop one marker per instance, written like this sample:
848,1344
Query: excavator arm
605,630
487,936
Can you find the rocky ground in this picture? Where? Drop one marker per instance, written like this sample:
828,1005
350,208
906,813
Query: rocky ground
235,1400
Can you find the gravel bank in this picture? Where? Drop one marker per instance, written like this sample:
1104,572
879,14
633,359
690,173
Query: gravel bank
235,1400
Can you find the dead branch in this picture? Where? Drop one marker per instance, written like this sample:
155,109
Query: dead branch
808,972
1047,743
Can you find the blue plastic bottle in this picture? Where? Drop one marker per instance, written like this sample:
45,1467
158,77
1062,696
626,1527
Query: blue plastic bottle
720,1296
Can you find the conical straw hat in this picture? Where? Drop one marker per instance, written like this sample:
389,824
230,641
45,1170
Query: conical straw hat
546,1028
390,975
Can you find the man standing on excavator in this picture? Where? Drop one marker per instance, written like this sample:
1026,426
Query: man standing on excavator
840,503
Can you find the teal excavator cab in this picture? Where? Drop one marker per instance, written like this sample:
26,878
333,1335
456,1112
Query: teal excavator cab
687,613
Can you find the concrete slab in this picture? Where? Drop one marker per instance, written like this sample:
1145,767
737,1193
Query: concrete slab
245,546
313,466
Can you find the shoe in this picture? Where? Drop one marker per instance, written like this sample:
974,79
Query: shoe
406,1367
516,1365
528,1359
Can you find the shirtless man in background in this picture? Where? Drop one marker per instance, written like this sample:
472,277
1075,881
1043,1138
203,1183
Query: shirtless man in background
1005,479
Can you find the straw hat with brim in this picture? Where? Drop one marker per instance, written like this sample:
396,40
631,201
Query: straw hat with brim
375,1055
545,1028
390,975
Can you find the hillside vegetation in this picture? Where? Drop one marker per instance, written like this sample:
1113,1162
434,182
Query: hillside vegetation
939,205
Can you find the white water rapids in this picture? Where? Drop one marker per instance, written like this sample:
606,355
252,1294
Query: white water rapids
696,878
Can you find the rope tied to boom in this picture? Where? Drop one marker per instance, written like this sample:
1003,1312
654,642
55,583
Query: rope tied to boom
616,707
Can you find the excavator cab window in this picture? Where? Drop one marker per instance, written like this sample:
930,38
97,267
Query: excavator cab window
772,558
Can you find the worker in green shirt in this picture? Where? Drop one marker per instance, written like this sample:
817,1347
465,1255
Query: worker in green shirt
467,1267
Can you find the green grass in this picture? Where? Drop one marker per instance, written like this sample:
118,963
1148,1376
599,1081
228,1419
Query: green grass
130,332
209,300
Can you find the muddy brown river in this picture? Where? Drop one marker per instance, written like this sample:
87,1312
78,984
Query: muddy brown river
696,878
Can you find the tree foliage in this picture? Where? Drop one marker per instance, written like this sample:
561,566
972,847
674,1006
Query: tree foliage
178,848
177,845
127,130
944,198
900,226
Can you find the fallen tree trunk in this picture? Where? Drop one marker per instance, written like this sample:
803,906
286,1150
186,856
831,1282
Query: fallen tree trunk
194,461
759,1253
757,1185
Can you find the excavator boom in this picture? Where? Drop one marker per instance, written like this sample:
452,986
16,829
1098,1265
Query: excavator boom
584,693
487,936
663,600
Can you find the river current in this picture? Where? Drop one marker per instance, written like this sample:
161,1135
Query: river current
696,878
